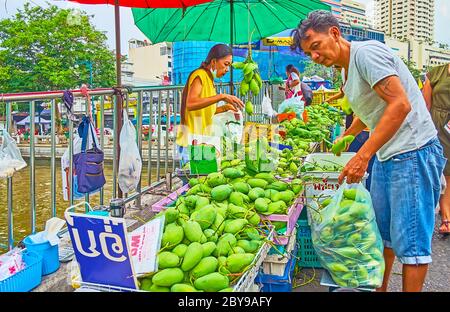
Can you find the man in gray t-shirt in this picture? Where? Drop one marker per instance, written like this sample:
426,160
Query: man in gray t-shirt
406,174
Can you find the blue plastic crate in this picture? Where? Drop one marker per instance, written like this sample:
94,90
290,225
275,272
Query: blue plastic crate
275,283
280,146
26,279
307,255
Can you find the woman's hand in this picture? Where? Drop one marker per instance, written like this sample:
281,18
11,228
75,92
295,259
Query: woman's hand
228,107
233,100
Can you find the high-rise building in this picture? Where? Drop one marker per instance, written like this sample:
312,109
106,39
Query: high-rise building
406,19
336,7
354,13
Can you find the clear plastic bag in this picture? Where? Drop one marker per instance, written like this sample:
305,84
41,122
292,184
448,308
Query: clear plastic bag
10,157
130,163
346,238
293,104
267,108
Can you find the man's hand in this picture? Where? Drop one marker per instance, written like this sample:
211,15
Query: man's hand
354,170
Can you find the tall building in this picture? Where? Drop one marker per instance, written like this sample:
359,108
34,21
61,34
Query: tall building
336,7
354,13
152,63
406,19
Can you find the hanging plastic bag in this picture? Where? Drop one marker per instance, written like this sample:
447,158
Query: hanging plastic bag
130,163
346,238
10,158
293,104
266,104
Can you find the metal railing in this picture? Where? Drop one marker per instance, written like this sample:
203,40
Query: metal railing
158,157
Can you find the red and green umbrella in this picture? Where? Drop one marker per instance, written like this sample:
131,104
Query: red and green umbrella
228,21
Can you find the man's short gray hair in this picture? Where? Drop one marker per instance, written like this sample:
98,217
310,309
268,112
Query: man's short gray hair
320,21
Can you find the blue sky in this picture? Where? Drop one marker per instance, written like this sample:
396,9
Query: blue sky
103,18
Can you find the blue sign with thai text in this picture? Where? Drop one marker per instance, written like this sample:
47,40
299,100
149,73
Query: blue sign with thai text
101,249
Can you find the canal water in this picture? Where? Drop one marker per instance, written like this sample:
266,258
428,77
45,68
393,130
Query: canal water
22,198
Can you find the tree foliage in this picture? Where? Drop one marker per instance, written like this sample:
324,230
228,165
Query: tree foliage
412,66
40,48
311,69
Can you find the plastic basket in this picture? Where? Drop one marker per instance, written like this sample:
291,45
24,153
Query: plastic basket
169,199
49,254
26,279
275,264
275,283
253,131
306,253
291,219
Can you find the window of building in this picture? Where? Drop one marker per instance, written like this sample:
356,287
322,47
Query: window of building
163,51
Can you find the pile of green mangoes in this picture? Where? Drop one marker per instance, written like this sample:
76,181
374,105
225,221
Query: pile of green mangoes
324,115
323,167
347,240
214,231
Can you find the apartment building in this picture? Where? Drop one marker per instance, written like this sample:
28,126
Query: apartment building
406,19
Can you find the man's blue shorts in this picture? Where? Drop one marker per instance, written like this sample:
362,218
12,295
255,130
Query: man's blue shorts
405,191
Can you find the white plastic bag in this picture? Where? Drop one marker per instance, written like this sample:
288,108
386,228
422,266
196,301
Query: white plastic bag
11,263
130,164
228,125
10,158
267,108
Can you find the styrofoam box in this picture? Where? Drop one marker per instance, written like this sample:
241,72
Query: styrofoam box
329,179
276,264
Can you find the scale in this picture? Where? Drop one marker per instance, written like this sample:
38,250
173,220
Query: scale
65,250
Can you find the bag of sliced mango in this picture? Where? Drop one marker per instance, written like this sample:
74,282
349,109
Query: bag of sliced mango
346,238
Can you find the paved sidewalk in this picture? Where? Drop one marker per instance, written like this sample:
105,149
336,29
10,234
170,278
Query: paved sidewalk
437,280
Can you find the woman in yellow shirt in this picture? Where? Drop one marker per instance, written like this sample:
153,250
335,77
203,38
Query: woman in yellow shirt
199,99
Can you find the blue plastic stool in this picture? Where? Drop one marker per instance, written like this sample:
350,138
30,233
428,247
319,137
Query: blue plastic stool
49,254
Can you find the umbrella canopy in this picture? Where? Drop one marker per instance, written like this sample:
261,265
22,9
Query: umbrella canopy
146,3
212,21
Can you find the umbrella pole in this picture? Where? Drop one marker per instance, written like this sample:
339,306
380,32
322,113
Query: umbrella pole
119,101
231,43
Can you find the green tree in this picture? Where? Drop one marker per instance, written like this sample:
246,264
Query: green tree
412,66
39,48
311,69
